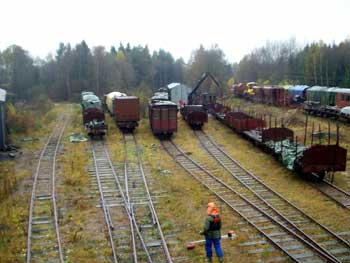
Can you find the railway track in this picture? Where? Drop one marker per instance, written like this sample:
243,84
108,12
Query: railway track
278,229
121,232
127,214
312,231
335,193
43,240
141,203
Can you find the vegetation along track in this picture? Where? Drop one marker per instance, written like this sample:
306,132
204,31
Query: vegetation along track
312,231
280,231
43,243
126,234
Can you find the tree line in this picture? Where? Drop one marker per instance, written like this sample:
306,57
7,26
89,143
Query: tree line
134,70
286,62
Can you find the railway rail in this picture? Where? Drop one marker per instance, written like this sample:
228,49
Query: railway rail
121,232
335,193
283,233
311,230
141,203
43,240
128,208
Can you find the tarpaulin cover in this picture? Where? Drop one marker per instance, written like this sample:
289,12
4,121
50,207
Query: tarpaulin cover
91,101
286,151
345,110
77,138
297,90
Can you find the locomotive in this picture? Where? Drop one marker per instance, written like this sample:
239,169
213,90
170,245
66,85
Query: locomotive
93,115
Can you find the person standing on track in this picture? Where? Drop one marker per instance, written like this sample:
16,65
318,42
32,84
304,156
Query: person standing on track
212,233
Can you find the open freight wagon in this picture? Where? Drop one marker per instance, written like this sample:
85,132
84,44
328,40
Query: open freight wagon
279,141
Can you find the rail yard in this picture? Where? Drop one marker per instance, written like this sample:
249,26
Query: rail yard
136,197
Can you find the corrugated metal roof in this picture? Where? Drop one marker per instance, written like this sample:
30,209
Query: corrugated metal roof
317,88
173,85
2,95
341,90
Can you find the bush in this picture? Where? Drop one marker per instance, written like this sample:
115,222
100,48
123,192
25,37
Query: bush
19,120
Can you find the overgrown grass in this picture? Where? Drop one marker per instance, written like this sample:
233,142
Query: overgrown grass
295,118
15,189
182,211
81,222
293,187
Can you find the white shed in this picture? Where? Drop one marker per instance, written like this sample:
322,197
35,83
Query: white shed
178,91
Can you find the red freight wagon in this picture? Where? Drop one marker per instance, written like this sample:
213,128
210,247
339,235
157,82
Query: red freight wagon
259,95
163,117
274,95
126,111
342,98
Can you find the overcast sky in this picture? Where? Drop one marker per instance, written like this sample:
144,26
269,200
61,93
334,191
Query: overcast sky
178,26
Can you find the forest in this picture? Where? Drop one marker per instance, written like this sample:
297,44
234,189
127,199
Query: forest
287,62
135,70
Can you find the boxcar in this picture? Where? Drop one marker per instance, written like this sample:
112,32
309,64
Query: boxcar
274,95
162,117
342,97
124,109
297,94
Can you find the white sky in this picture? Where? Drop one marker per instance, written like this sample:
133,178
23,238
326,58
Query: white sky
178,26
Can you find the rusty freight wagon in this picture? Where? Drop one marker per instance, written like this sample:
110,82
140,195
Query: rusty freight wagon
162,115
316,159
124,109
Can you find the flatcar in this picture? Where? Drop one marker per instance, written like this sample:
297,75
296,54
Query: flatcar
316,159
93,115
162,115
124,109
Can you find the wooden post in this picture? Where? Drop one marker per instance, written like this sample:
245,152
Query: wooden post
319,134
312,134
329,132
305,132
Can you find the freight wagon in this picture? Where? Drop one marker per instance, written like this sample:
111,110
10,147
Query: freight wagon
194,115
317,100
162,115
124,109
279,141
